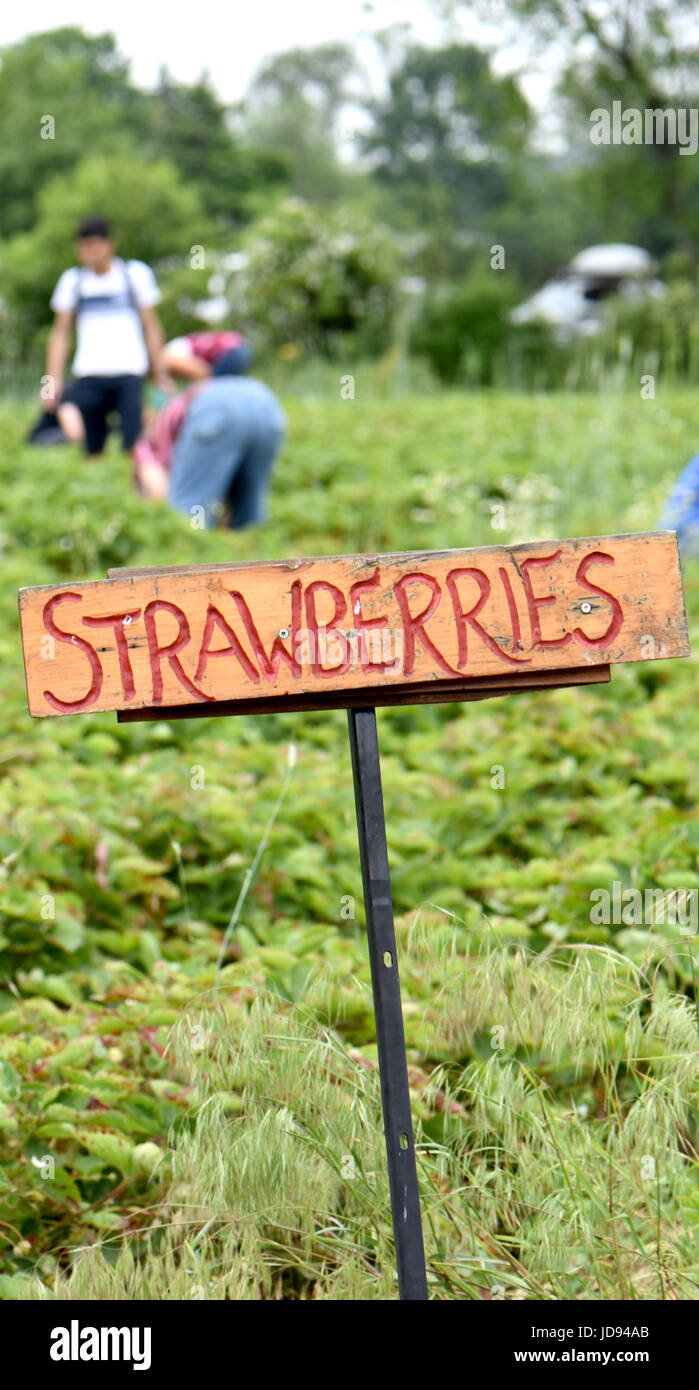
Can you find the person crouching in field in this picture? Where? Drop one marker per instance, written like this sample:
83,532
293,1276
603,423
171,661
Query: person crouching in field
211,450
111,305
681,512
198,356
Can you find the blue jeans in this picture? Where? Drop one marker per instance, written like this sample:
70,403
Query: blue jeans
231,435
682,510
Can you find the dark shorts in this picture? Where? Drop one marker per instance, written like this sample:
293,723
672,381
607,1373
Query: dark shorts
97,397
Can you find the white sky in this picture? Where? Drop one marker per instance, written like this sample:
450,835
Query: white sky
229,40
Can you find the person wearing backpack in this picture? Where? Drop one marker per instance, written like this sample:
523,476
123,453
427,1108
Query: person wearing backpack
111,304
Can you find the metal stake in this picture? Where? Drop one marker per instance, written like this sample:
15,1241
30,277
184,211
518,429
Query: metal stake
393,1062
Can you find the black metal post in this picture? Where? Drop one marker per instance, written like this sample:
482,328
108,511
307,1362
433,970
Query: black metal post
393,1062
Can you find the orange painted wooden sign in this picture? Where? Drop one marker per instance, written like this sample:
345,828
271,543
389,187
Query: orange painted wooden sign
348,630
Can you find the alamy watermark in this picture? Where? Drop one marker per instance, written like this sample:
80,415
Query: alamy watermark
332,649
631,125
76,1343
629,907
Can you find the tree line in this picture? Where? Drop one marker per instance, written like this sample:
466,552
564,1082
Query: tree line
338,187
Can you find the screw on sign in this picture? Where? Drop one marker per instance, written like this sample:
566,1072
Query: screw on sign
354,632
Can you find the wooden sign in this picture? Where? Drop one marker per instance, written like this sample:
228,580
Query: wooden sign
352,630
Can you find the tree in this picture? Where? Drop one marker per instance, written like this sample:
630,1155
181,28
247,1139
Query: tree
644,48
188,126
651,46
65,96
81,84
321,76
293,107
446,140
464,329
644,54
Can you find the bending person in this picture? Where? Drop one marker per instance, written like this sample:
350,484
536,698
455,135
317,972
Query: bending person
198,356
211,451
681,512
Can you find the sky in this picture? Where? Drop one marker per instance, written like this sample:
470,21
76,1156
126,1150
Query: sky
228,40
207,35
231,41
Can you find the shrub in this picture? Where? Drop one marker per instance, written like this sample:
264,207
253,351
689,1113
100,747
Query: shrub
322,280
656,334
463,329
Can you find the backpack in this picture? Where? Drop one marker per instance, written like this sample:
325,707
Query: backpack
46,430
133,302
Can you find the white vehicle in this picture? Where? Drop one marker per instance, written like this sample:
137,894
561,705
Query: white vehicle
571,301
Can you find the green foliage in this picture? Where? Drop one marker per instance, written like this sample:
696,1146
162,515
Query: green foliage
658,335
540,1179
182,286
188,126
443,140
463,328
320,75
445,156
200,1140
451,162
293,107
464,332
83,84
320,280
299,137
648,192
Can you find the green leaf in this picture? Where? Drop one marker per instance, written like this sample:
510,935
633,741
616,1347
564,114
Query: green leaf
68,933
10,1081
115,1151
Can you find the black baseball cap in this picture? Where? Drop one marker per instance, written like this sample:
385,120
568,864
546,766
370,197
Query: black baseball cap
94,226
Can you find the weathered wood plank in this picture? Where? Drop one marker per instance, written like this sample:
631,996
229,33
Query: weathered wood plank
352,630
437,692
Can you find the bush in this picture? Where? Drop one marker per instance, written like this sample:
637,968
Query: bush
319,281
463,329
465,334
656,334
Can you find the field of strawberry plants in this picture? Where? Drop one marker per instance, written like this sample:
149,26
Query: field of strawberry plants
175,1127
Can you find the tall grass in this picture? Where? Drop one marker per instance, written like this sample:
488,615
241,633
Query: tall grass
528,1190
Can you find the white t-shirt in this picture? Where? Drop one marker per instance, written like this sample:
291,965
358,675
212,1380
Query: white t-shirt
110,335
